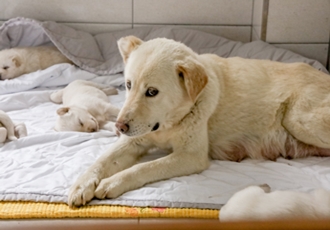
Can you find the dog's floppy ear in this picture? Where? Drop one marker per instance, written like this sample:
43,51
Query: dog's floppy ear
194,77
17,61
127,44
62,111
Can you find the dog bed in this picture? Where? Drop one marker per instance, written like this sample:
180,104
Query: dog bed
37,171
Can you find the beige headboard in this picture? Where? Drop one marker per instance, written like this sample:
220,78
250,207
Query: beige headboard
302,26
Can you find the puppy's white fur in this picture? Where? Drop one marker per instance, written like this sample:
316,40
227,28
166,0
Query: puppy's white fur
201,106
18,61
258,203
86,107
10,131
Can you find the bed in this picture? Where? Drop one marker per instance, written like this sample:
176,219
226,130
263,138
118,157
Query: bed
37,171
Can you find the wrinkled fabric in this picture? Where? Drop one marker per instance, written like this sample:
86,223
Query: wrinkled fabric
43,165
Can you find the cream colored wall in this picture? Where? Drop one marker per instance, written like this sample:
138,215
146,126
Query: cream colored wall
300,25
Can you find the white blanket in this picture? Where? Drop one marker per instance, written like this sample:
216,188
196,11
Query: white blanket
43,165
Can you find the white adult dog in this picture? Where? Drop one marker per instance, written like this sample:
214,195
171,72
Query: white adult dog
9,130
201,106
18,61
86,107
259,203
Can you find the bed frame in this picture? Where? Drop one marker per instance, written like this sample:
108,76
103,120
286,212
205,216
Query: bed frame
306,33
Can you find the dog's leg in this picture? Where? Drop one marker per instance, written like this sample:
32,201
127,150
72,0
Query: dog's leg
310,126
192,158
57,96
8,124
108,90
122,154
3,134
175,164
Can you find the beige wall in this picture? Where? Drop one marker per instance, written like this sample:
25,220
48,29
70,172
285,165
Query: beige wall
302,26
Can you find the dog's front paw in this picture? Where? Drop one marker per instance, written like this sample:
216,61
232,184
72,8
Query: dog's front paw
111,187
82,191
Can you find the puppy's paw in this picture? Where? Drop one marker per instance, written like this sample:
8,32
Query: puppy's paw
56,97
82,191
111,126
111,187
20,130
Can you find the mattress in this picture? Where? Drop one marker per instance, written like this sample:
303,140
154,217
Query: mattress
37,171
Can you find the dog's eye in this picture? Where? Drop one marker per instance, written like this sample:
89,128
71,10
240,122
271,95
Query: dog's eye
5,67
151,92
128,85
181,75
82,124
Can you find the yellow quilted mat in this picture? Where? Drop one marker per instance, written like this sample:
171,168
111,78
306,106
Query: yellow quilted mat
24,210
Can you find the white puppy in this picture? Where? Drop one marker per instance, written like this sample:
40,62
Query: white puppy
258,203
18,61
10,131
203,106
86,107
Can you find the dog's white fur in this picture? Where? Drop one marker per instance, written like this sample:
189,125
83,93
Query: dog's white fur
10,131
15,62
86,107
206,106
258,203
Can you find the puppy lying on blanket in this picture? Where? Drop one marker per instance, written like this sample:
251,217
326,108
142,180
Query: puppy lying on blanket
201,106
10,131
86,107
258,203
18,61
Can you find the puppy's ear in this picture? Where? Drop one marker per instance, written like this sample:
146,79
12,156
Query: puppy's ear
17,61
194,78
62,111
127,44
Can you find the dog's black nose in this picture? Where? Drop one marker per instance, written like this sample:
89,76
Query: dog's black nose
155,127
122,127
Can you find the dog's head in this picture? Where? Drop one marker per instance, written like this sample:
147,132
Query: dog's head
163,81
75,119
10,64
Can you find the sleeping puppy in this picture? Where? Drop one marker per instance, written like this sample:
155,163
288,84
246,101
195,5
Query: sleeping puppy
204,106
258,203
86,107
10,131
18,61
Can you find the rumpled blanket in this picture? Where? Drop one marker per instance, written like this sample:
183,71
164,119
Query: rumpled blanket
43,165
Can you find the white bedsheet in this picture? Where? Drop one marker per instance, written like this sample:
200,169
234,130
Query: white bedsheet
43,165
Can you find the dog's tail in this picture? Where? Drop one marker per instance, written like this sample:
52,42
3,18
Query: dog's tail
8,124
